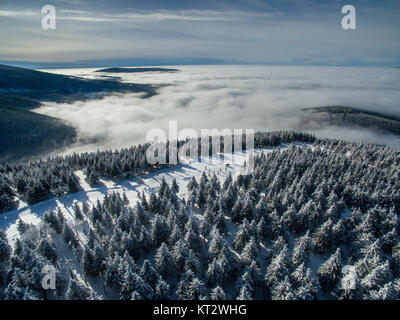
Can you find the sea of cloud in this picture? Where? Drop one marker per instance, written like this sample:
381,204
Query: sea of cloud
235,97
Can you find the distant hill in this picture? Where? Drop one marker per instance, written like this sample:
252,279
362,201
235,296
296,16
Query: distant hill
25,134
17,101
350,117
134,70
44,86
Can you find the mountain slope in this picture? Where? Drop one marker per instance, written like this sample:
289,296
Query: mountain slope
287,230
350,117
26,134
53,87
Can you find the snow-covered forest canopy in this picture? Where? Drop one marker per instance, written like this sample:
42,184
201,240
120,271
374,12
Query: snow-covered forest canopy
285,230
55,176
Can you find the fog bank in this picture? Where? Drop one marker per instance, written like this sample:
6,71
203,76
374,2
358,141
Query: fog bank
256,97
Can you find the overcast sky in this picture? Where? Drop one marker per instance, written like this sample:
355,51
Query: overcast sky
99,32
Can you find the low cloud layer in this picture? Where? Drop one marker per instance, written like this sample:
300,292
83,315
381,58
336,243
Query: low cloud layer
259,97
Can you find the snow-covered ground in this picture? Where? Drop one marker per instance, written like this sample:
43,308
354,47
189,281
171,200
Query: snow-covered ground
132,187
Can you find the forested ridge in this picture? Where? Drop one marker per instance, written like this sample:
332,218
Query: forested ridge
25,134
350,117
40,180
283,231
28,135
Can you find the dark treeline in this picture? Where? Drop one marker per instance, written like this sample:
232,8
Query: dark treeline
352,117
40,180
284,231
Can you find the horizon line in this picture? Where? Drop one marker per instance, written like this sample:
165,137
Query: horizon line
108,63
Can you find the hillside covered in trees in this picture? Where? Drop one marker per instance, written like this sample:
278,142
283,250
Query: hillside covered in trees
26,134
351,118
285,230
45,86
55,176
